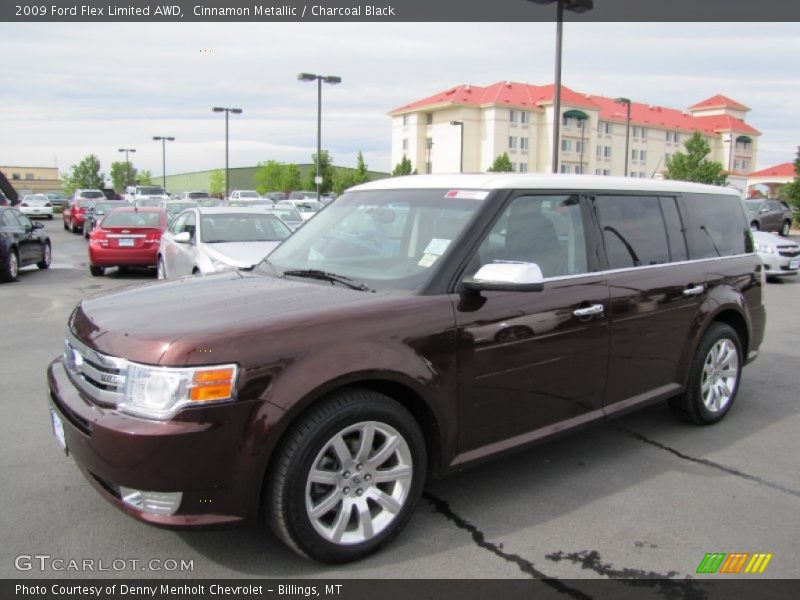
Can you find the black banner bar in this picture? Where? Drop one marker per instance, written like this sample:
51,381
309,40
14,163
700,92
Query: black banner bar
393,11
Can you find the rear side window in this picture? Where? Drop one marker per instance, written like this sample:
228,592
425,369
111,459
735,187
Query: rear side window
634,234
715,226
677,242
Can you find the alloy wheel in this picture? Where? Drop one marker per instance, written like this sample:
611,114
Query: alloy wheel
720,374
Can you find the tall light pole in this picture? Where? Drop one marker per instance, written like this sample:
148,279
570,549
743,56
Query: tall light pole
576,6
164,141
127,165
227,111
333,80
627,103
460,125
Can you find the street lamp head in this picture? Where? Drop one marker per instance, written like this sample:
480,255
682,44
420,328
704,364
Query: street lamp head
218,109
456,122
332,79
622,100
236,111
170,139
307,77
576,6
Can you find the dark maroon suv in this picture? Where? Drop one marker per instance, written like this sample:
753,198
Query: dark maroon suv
413,327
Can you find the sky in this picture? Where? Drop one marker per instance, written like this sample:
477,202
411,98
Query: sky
73,89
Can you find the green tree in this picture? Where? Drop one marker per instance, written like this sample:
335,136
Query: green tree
216,183
501,164
145,177
344,179
403,167
291,178
693,165
326,170
269,176
361,174
791,191
122,174
86,174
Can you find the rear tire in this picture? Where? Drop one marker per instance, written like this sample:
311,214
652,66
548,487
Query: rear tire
10,269
785,229
66,227
96,271
74,228
48,256
347,477
86,230
714,376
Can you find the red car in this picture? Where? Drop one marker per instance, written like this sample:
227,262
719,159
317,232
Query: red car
75,212
127,237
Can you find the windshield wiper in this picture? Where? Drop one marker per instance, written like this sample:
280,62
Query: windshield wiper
326,276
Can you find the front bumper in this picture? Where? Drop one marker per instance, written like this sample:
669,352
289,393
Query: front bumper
776,265
205,458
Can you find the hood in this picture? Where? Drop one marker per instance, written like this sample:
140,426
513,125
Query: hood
141,323
240,254
764,237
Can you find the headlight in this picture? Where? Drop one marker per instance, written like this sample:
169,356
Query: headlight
160,392
766,248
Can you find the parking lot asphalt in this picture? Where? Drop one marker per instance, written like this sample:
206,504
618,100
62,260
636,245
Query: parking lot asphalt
642,496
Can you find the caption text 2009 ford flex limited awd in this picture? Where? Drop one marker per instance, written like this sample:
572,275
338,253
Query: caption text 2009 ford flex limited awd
415,326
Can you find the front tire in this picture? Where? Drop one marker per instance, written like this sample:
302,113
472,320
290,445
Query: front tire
161,271
347,478
754,226
785,228
714,377
46,258
74,228
96,271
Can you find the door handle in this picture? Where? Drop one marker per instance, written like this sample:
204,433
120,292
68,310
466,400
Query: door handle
594,309
694,291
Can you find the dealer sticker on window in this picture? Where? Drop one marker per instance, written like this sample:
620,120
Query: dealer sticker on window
467,194
436,246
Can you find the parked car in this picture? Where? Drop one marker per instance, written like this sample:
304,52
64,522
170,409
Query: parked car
769,215
416,326
251,203
243,195
57,199
288,215
36,205
3,199
95,212
205,240
110,194
276,196
127,237
195,196
303,195
781,257
175,207
75,210
22,243
137,193
306,208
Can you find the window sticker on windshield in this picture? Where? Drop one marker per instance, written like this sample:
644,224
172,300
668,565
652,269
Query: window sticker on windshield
467,194
427,260
436,246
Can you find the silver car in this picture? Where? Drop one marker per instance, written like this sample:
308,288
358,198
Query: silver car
781,257
205,240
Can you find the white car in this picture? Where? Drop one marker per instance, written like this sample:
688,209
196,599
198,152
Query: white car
137,193
781,257
36,205
306,208
205,240
244,195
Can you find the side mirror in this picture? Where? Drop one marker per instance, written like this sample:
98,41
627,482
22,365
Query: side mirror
763,210
506,276
184,237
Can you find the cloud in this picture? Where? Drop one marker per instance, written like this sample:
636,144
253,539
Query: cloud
96,87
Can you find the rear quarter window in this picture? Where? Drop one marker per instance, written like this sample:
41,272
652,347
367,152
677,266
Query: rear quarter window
715,226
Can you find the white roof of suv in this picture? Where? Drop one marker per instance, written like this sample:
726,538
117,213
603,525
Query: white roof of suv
540,181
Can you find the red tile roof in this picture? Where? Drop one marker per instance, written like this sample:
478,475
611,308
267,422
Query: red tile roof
782,170
521,95
719,101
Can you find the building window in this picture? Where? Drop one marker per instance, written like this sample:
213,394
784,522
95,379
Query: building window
579,146
29,176
745,164
736,165
512,115
565,168
429,143
15,176
598,171
405,120
599,151
607,151
566,145
523,143
513,166
512,141
643,155
579,169
429,167
667,156
429,118
642,174
566,121
606,172
405,145
523,167
525,117
603,127
676,137
640,133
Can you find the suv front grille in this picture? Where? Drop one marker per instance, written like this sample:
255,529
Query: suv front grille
101,377
789,251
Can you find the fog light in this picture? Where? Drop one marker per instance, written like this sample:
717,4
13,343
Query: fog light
155,503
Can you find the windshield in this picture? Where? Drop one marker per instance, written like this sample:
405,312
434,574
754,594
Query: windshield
247,194
36,199
150,191
248,227
751,206
91,195
130,218
209,202
149,202
308,207
176,207
103,207
388,239
197,195
287,214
